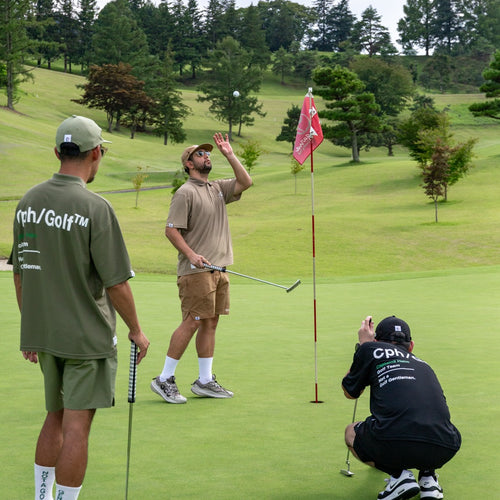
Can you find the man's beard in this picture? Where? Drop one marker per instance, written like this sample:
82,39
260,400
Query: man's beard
205,169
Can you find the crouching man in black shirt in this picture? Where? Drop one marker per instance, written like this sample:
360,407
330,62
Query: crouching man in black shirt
409,426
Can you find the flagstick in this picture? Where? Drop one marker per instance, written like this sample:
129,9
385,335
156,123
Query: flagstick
314,283
314,264
309,131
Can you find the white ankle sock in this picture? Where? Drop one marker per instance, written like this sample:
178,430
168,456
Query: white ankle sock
44,482
67,492
205,365
168,368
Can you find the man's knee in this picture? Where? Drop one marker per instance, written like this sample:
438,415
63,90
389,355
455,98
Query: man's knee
189,324
350,434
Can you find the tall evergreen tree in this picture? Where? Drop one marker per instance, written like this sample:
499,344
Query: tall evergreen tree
168,113
252,37
322,33
67,28
353,111
154,20
14,45
118,38
480,25
230,21
342,21
196,45
229,69
370,36
86,19
415,27
186,38
43,32
284,22
445,25
213,29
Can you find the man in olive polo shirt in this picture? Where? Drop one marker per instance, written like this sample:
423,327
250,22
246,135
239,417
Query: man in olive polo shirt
71,272
197,226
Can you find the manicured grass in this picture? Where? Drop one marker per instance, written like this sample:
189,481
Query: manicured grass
270,441
378,252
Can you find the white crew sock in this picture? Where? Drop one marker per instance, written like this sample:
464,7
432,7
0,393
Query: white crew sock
168,368
205,365
67,492
44,482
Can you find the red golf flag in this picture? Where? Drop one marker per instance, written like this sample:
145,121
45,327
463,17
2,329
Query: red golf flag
309,134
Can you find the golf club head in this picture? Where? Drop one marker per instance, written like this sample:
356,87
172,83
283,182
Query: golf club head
346,472
295,285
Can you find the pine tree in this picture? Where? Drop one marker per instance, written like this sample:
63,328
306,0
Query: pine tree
289,127
491,87
446,24
168,113
415,27
229,70
86,19
252,37
353,111
118,38
342,22
322,33
371,36
14,44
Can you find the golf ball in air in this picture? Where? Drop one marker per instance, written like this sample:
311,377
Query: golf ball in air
236,93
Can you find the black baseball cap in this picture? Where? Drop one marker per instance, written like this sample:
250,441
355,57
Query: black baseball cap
392,329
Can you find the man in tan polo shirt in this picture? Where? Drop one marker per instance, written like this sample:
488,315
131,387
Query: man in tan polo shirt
197,226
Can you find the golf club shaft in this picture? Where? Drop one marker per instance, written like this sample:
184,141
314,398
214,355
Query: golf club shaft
224,270
353,418
132,379
347,472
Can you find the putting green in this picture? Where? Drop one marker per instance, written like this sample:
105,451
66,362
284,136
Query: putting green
270,441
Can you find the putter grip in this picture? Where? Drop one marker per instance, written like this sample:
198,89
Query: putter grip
215,268
132,375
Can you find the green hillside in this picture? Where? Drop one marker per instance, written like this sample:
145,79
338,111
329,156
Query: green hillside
371,218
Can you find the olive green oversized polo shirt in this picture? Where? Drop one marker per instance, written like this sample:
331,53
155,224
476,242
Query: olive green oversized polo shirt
68,247
198,211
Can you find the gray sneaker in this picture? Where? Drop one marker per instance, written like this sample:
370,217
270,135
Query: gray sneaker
167,390
211,389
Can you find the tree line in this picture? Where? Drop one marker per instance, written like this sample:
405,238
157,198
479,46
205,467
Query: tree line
135,54
134,31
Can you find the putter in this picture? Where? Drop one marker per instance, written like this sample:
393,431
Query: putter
347,472
224,270
132,378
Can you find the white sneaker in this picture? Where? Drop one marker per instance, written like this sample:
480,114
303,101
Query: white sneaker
168,390
401,488
429,487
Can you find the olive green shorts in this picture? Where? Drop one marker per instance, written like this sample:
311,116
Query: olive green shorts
204,295
78,384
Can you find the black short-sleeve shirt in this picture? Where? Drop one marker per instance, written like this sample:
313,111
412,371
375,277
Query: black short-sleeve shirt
406,398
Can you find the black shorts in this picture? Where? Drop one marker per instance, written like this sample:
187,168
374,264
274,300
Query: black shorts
392,456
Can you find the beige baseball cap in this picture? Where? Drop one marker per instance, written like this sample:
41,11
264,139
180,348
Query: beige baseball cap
191,149
83,132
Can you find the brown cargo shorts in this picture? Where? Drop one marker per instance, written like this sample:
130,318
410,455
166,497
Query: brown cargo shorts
204,295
